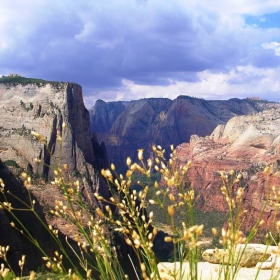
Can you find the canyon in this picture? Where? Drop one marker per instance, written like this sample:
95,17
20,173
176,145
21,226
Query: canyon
241,135
246,144
126,126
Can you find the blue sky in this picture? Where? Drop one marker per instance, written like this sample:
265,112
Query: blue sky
131,49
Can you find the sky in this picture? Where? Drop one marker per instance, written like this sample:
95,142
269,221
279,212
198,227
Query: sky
131,49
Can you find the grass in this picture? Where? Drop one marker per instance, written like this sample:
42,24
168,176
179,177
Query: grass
153,194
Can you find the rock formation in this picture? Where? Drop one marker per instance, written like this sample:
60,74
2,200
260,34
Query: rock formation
246,144
44,108
127,126
251,261
56,111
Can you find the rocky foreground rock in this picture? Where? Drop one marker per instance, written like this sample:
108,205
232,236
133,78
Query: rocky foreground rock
251,261
9,236
208,271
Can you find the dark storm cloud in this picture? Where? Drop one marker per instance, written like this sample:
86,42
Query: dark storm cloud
107,47
101,44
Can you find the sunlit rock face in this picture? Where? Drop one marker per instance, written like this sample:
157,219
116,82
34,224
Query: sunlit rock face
246,144
128,126
44,108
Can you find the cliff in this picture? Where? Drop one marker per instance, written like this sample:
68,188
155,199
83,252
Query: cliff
246,144
43,107
127,126
28,105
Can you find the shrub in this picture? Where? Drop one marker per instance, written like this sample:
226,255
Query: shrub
11,163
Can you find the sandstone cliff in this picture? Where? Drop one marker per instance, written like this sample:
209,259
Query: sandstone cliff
128,126
244,143
44,107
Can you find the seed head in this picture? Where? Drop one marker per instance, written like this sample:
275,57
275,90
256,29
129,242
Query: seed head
171,210
168,239
128,161
140,154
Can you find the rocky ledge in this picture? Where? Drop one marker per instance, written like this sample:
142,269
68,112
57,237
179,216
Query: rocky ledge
255,261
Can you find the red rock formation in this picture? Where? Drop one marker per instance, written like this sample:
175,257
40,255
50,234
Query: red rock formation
246,144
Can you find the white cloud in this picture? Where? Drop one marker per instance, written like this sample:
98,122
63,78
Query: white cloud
211,86
272,46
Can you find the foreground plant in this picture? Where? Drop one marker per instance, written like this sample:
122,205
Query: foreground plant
173,194
127,212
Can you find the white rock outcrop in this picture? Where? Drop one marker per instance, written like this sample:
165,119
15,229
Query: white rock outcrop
44,107
208,271
258,261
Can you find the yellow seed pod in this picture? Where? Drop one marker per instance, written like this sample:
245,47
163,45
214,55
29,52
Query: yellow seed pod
170,182
168,239
88,273
171,210
65,167
143,267
199,230
99,213
214,231
155,231
128,242
171,197
128,161
140,154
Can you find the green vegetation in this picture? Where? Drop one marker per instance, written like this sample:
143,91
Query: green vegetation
152,194
23,81
11,163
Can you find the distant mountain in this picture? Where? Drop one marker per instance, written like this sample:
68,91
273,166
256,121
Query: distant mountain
127,126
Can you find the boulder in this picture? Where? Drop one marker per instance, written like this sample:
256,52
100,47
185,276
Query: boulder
208,271
245,257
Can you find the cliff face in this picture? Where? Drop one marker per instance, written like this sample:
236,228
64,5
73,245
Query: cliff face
128,126
244,143
44,107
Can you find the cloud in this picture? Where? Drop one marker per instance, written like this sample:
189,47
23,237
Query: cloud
272,46
130,49
239,82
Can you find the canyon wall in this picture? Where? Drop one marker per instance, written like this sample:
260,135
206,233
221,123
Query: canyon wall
44,108
246,144
127,126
